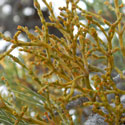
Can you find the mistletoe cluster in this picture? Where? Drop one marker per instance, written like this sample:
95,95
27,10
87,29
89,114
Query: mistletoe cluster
59,74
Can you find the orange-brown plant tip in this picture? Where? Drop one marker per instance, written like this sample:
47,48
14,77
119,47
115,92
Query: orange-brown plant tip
106,2
3,78
18,27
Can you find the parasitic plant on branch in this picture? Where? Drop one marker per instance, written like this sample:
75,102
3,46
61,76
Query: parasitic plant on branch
71,76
